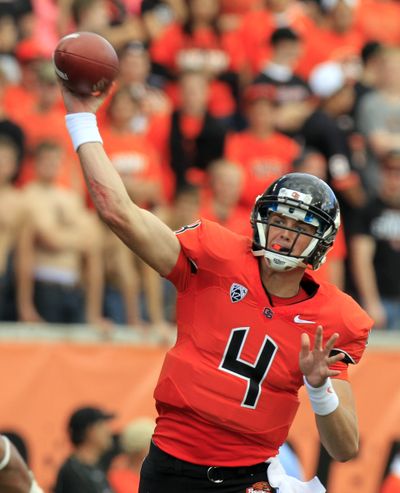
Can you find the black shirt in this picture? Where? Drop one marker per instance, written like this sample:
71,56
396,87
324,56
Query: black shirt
76,477
382,223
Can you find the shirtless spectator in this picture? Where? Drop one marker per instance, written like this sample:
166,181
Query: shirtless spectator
15,476
11,217
58,239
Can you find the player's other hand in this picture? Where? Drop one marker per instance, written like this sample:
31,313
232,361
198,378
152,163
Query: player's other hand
315,362
77,103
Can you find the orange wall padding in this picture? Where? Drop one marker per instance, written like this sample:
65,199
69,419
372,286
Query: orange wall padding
41,383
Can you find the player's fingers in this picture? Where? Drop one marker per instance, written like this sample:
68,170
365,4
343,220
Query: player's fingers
331,342
334,359
318,338
332,373
305,345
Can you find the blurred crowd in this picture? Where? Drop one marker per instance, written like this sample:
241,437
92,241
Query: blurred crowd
215,99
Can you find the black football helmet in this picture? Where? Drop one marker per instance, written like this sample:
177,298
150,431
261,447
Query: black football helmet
302,197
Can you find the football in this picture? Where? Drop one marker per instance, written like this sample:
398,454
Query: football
86,63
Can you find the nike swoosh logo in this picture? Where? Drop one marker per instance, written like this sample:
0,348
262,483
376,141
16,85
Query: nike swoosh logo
299,320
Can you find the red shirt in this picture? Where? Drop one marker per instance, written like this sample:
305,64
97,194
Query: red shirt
210,412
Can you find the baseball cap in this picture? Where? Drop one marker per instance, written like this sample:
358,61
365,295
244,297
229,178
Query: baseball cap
136,436
84,417
326,79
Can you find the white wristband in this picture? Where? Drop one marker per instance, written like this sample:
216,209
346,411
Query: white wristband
7,453
82,128
324,399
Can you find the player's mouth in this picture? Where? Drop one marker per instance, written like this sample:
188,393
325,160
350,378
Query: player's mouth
280,248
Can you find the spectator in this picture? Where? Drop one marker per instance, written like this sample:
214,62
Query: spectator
258,25
121,282
11,221
95,16
8,127
375,248
320,130
138,165
379,117
135,442
221,198
196,138
371,57
286,48
263,153
91,437
43,120
58,237
132,154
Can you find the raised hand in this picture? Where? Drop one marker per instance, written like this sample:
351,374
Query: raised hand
76,103
315,363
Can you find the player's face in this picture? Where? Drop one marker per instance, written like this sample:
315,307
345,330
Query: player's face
284,240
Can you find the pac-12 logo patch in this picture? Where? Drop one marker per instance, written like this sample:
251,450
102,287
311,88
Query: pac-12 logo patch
260,487
237,292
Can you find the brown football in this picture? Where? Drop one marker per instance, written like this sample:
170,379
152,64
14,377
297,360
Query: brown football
85,62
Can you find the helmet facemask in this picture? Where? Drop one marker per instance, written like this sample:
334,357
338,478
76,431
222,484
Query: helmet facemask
297,206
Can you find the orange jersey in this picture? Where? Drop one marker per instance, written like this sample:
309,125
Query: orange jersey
263,160
228,390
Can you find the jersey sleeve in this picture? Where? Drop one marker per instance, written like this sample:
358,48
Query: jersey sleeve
353,336
205,246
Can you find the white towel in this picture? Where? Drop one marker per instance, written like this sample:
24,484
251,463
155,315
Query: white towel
278,478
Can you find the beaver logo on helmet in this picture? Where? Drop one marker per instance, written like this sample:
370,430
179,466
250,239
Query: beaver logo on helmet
260,487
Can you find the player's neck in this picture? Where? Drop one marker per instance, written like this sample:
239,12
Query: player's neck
283,284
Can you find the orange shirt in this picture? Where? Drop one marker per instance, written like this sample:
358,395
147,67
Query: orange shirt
391,484
165,49
379,20
263,160
17,99
132,154
123,480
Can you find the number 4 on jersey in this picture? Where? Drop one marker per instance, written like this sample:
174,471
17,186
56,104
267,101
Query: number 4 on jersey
253,373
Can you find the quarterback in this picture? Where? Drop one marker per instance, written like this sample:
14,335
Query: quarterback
253,327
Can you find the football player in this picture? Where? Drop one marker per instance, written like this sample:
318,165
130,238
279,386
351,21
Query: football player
253,327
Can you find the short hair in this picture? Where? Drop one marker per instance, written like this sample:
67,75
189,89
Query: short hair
6,141
283,34
46,145
369,50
